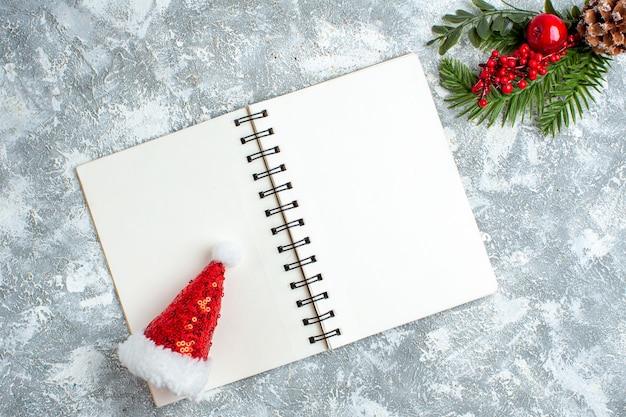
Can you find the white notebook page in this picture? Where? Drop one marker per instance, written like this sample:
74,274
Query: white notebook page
376,185
385,208
160,208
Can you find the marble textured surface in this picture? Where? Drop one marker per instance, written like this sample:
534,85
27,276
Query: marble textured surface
82,79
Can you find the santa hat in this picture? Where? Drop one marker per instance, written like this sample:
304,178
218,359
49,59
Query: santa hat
173,351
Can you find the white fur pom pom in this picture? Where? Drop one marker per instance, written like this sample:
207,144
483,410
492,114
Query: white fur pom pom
228,253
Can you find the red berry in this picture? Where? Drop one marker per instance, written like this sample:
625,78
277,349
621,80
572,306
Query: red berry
507,88
524,49
546,33
478,86
532,74
482,102
495,53
491,63
522,84
542,70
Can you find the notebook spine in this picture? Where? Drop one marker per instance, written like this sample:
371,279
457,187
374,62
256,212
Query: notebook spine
261,154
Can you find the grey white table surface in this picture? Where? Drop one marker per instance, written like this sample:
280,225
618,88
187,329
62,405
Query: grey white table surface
82,79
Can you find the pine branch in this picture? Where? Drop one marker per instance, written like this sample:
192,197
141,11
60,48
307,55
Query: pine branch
555,100
456,76
580,74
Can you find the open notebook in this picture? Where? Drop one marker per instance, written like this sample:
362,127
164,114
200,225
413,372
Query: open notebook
344,197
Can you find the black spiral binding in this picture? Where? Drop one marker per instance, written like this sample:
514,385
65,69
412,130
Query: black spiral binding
256,135
318,297
269,172
317,319
281,208
305,282
263,153
250,117
324,336
291,246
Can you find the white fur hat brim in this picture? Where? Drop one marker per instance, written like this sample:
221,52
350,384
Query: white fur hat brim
164,368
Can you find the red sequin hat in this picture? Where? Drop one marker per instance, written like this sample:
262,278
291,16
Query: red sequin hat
173,351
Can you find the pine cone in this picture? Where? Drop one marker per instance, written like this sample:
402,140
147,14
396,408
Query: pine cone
603,26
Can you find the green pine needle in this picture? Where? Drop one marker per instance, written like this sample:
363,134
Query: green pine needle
456,76
579,74
555,100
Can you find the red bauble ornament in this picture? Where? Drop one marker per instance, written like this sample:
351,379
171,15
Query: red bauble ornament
546,33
